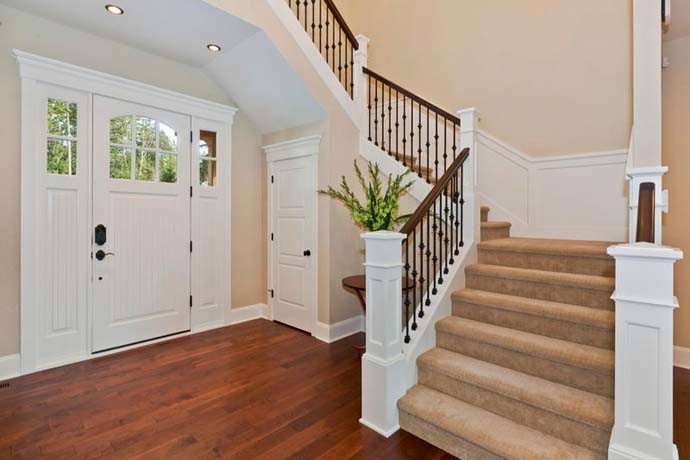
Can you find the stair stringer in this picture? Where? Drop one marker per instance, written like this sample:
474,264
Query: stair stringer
390,166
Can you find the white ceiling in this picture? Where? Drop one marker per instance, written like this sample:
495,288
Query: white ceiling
176,29
249,68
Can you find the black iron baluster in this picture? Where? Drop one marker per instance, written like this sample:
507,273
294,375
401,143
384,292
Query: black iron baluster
436,162
430,275
390,128
407,291
306,16
376,111
340,53
397,125
419,140
440,236
383,116
369,106
352,69
453,233
462,205
335,22
413,161
421,267
414,279
446,211
313,19
434,228
321,27
328,23
346,67
428,144
298,7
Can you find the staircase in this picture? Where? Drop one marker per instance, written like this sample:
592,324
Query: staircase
524,367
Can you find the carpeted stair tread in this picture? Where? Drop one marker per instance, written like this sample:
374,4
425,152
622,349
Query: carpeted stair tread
591,409
495,224
495,434
594,317
600,283
577,355
550,246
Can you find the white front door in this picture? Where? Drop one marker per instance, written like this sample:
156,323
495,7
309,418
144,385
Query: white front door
141,215
293,198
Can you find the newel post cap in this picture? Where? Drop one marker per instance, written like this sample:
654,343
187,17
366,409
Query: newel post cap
645,251
383,235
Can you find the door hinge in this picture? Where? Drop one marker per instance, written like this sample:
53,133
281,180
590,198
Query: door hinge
191,302
271,236
271,291
191,137
191,191
191,247
271,179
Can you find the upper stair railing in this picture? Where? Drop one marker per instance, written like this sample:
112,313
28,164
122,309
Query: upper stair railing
328,30
414,131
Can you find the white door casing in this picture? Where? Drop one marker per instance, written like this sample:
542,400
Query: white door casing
57,229
142,291
293,255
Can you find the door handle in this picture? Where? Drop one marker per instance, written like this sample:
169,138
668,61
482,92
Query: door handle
100,254
307,253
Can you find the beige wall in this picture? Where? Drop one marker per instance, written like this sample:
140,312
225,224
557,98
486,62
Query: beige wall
676,155
550,77
36,35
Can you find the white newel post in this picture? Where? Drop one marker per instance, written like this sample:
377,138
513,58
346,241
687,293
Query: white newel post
383,364
637,177
469,134
361,89
645,303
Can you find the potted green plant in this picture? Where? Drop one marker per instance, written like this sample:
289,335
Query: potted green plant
381,209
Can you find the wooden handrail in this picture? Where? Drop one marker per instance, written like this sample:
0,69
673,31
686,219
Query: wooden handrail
449,116
342,23
423,209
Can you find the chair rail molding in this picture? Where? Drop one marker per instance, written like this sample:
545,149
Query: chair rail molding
645,303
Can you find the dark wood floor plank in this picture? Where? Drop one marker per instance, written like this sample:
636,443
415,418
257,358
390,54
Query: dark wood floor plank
257,390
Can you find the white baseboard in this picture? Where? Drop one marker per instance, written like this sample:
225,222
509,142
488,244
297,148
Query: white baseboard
248,313
330,333
681,357
385,434
9,366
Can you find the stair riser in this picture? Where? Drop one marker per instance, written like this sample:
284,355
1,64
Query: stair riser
574,295
549,262
577,377
488,234
564,428
442,439
535,324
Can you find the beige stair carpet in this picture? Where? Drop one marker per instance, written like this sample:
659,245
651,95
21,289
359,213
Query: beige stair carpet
524,367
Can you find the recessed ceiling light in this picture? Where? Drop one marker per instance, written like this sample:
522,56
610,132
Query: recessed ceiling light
114,9
213,47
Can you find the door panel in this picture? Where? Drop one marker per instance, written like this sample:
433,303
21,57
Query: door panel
293,224
141,186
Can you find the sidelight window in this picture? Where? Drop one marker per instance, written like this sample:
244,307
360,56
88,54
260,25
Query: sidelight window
207,159
62,138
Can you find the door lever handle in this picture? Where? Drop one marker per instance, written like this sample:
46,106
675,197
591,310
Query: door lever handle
100,254
307,253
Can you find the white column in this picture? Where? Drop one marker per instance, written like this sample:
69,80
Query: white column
361,89
644,352
469,136
647,83
637,177
383,364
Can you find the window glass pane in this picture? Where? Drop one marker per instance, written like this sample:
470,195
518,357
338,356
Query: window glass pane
168,138
62,118
207,173
120,163
62,157
146,132
168,168
121,130
207,158
145,165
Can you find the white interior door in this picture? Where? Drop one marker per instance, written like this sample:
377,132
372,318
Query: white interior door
141,195
293,227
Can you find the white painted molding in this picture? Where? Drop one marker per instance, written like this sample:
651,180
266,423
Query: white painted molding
681,357
294,148
330,333
248,313
9,367
34,67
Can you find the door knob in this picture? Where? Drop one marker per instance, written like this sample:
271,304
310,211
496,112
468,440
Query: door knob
100,254
307,253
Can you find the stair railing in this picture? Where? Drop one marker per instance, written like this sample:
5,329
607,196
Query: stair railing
435,234
414,131
331,35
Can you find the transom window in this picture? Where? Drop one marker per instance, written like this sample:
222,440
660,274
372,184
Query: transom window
62,138
142,149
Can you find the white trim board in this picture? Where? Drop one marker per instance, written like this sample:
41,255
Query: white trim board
330,333
681,357
9,367
248,313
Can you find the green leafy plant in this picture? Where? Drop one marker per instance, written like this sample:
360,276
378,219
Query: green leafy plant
381,208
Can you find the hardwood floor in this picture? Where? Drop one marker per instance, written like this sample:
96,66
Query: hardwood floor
256,390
